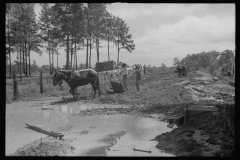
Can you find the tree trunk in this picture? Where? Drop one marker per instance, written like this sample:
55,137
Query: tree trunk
87,55
23,60
20,62
49,54
20,48
10,71
67,61
18,59
57,58
108,52
97,49
9,52
52,62
90,52
76,54
29,62
71,52
71,59
25,48
118,51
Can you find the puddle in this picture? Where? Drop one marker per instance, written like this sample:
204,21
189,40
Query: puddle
97,135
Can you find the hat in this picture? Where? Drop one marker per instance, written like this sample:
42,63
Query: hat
124,65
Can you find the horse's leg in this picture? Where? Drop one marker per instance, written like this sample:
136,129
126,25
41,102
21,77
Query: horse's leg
92,89
76,94
98,87
95,89
73,92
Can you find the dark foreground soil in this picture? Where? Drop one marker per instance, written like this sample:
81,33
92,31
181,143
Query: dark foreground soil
164,97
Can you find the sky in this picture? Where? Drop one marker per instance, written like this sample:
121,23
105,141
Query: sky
162,31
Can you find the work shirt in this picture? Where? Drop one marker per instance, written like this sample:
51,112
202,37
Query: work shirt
138,75
124,71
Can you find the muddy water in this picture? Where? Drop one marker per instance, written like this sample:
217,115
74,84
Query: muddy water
97,135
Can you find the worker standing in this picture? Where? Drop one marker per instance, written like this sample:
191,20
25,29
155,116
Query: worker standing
138,76
125,74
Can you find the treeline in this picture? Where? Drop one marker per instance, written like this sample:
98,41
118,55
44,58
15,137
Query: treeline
217,63
69,25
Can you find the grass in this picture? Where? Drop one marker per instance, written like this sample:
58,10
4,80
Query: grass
29,88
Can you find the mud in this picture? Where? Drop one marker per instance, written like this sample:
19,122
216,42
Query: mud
84,134
161,98
45,147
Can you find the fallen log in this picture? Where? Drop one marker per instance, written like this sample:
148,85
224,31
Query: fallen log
40,130
142,150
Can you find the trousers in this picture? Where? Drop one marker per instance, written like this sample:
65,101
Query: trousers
124,80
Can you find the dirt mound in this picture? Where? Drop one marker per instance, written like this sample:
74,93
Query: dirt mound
45,147
204,134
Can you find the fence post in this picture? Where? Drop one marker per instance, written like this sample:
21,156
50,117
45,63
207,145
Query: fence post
41,82
15,86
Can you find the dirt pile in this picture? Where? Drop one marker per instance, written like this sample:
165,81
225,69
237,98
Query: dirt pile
205,134
45,147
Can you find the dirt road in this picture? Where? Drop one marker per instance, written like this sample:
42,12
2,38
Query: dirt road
164,97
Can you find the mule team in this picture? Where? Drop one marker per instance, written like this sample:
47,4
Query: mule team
86,76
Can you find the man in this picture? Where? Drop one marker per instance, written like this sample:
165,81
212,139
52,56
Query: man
144,69
138,76
125,74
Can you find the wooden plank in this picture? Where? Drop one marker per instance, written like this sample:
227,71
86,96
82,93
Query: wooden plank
40,130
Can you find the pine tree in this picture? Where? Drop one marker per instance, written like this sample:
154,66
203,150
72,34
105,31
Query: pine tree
45,22
124,39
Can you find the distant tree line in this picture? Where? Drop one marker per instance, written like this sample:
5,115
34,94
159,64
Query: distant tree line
217,63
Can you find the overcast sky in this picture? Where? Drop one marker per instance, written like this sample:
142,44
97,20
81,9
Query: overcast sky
164,31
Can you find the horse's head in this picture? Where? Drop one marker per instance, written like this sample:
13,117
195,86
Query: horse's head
56,78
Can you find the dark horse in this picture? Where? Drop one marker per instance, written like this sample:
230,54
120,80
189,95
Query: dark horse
78,78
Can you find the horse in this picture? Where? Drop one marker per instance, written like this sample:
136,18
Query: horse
78,78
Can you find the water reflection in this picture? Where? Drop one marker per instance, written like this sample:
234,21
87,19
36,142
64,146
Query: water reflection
64,109
89,144
46,114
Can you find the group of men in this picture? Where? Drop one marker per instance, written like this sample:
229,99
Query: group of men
181,69
137,70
